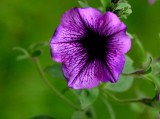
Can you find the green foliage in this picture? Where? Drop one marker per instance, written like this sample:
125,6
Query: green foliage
36,49
115,1
151,101
38,45
87,97
122,9
25,54
42,117
122,5
124,82
85,114
24,22
137,52
54,71
37,53
90,113
78,115
105,5
146,69
109,108
83,3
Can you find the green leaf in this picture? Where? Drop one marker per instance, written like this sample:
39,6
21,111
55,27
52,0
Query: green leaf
146,69
122,9
124,82
37,53
149,70
137,52
83,3
101,9
36,48
105,5
128,11
54,71
25,54
38,45
128,67
42,117
22,57
105,2
122,6
78,115
87,96
137,107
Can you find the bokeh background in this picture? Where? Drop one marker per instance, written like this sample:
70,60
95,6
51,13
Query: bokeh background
23,94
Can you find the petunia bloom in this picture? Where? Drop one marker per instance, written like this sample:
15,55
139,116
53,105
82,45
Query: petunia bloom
91,47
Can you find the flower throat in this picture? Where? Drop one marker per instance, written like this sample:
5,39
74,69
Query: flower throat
94,44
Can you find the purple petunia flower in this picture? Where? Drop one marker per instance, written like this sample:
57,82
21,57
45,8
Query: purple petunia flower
91,47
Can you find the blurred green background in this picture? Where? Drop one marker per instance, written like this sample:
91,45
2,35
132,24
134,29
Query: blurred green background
23,22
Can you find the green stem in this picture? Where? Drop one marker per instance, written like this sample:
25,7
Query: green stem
109,107
49,85
119,100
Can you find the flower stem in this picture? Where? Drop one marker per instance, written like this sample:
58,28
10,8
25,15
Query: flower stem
49,85
107,94
109,107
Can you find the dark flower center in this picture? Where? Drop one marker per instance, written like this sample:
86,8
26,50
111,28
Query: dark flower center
95,45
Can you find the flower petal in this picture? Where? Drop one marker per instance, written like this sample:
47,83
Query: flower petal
113,67
72,21
81,74
74,25
78,68
61,51
69,31
71,27
109,24
89,16
119,42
